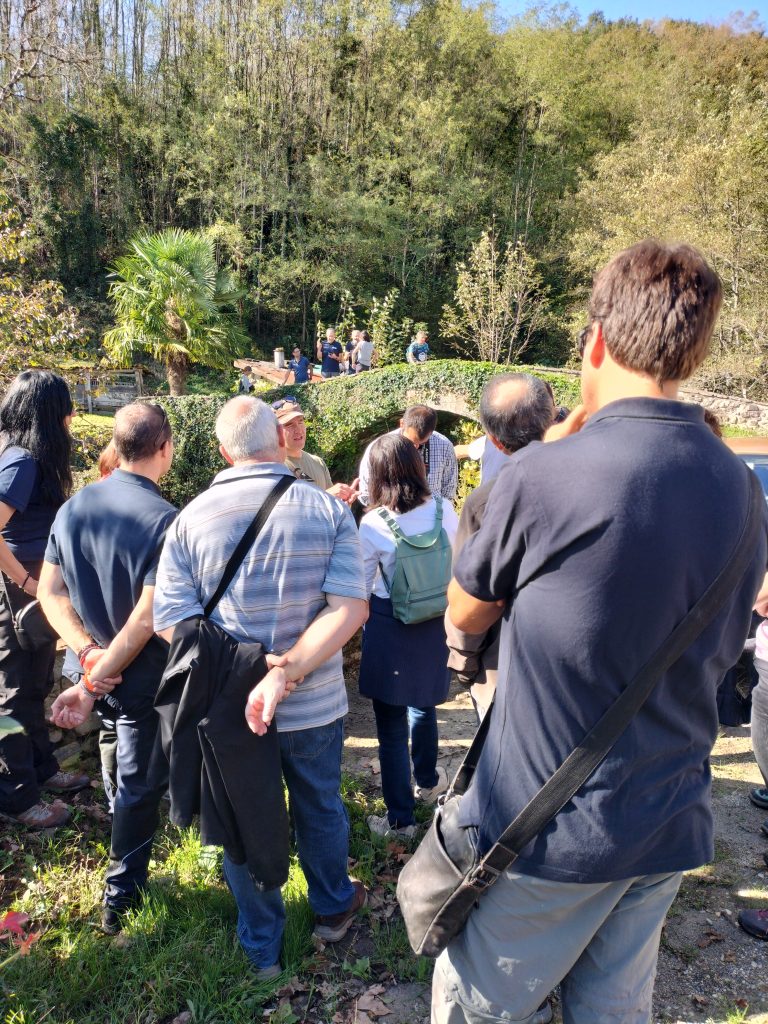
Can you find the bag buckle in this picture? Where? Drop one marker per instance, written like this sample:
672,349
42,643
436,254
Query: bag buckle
483,876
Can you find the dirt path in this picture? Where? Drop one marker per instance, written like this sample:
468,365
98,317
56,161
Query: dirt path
709,969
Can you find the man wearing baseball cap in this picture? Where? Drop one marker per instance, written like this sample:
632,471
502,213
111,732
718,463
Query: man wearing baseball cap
306,466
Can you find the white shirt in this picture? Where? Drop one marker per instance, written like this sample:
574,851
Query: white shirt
379,542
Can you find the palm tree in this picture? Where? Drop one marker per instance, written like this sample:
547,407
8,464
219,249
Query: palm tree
170,299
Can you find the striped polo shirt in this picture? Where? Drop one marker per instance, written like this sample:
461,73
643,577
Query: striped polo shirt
308,548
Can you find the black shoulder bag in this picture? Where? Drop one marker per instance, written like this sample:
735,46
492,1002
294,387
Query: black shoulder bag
442,882
32,629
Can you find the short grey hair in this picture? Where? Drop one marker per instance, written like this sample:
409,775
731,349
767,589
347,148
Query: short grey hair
247,429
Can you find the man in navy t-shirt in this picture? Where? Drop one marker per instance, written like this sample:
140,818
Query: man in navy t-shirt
97,587
591,550
299,366
329,354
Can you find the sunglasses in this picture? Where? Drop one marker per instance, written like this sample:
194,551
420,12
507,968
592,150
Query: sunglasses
288,400
158,443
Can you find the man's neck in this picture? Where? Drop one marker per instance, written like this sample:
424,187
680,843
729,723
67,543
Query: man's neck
618,383
147,468
272,457
293,453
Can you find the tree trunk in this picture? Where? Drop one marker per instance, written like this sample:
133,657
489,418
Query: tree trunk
177,369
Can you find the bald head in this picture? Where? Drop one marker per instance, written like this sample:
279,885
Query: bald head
515,409
141,429
247,430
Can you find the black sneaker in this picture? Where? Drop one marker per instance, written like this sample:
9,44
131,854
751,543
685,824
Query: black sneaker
755,922
332,927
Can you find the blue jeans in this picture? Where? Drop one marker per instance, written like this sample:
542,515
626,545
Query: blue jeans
134,803
394,725
311,762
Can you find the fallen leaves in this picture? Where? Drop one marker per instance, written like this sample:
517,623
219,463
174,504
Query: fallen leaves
370,1003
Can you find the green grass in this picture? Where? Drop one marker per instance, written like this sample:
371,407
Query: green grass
179,950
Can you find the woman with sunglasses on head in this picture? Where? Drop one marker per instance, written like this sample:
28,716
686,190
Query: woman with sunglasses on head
35,480
403,668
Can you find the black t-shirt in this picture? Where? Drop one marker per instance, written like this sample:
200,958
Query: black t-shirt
107,539
599,544
26,532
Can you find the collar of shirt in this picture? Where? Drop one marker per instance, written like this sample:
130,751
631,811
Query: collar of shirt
649,409
254,469
135,478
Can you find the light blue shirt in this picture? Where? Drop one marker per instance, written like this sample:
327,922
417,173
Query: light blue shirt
308,548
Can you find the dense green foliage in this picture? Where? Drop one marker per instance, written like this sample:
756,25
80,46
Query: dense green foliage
170,301
342,415
337,151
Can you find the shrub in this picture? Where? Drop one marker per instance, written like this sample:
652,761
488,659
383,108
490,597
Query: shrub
342,415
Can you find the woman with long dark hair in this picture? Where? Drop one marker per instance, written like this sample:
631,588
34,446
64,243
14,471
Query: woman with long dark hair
404,666
35,479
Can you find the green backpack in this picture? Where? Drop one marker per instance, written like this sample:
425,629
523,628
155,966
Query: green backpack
422,570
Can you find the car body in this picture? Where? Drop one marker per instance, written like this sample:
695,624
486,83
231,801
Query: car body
754,451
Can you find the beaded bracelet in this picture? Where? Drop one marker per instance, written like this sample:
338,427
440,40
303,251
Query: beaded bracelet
84,651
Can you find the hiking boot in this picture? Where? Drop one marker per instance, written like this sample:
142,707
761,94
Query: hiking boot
755,922
66,782
428,796
42,815
111,920
379,825
267,973
332,927
759,797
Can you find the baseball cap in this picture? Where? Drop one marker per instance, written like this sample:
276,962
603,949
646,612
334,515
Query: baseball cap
288,411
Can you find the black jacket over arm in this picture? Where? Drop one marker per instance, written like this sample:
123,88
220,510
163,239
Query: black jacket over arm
217,767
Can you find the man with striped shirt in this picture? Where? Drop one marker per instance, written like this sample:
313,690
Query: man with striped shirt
301,593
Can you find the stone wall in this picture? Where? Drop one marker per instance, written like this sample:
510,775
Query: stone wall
734,412
731,411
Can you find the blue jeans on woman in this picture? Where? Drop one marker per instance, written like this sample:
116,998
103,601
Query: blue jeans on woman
311,762
395,724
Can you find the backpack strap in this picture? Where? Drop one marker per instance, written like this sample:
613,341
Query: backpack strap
421,540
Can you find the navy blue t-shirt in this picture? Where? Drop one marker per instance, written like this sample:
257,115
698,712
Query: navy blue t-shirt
26,532
107,539
599,544
330,366
300,369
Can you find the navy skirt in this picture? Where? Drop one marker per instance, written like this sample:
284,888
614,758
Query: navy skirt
404,665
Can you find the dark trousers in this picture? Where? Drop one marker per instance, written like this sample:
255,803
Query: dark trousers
395,725
26,679
134,802
760,718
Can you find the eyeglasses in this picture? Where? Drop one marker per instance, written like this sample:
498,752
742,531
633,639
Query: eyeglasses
157,443
288,400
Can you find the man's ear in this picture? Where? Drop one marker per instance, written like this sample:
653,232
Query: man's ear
225,455
280,436
597,351
401,423
497,444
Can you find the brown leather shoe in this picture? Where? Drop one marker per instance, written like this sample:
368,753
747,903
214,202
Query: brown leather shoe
66,782
42,815
332,927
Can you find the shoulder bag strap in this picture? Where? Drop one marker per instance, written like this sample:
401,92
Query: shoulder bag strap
581,762
11,612
247,540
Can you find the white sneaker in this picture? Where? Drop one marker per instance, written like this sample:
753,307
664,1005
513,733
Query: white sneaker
428,796
379,825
